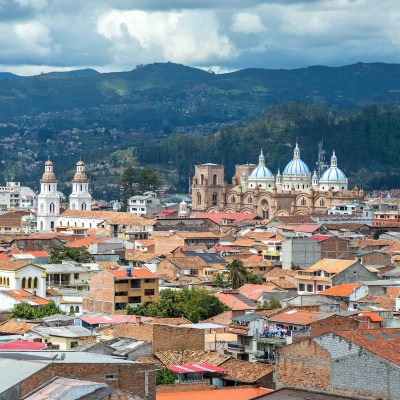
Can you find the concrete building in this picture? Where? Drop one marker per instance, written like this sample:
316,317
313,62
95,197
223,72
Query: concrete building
359,363
146,204
111,291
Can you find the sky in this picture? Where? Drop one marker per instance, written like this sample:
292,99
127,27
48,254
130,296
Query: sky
116,35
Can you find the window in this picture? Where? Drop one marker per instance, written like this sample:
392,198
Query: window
76,310
303,201
109,376
233,199
76,276
149,292
320,288
302,287
214,199
149,280
135,284
250,200
310,288
201,179
198,198
194,272
23,283
322,203
71,309
215,180
74,344
29,283
36,283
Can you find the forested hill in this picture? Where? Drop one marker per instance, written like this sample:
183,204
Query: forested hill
156,96
366,141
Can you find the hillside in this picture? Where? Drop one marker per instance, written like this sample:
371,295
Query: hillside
154,96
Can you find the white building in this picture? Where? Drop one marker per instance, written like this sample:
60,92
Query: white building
80,198
48,200
146,204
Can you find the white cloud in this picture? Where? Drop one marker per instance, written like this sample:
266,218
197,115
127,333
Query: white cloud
246,22
179,36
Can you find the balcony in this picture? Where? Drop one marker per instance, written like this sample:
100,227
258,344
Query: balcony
237,348
67,283
275,341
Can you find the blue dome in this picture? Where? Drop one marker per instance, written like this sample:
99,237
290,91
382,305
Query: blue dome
261,172
333,174
296,167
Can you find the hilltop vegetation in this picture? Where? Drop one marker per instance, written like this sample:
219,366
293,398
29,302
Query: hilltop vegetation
367,143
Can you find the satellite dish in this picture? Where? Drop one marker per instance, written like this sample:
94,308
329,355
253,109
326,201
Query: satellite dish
63,356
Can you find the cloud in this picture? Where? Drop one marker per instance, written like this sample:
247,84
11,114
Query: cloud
179,36
246,22
228,34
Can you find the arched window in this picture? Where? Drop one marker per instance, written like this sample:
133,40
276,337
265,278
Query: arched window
81,187
250,200
41,207
8,282
201,179
322,203
83,206
198,198
233,199
29,283
90,225
83,224
76,310
76,224
214,199
265,209
215,180
52,207
23,284
52,225
36,283
303,201
73,206
71,310
49,188
1,280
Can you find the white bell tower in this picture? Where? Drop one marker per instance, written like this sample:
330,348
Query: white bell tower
80,198
48,200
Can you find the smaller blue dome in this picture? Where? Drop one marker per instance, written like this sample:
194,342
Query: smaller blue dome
333,174
296,167
261,172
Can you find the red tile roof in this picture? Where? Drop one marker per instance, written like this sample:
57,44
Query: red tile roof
22,345
88,240
320,237
138,273
253,292
165,213
307,228
373,317
343,290
385,343
25,296
232,302
299,317
243,393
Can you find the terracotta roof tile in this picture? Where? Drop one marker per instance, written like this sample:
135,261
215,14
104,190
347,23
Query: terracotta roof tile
190,357
343,290
384,302
253,292
15,265
87,241
139,273
385,343
223,318
107,264
299,317
233,302
14,327
244,371
282,284
280,273
330,265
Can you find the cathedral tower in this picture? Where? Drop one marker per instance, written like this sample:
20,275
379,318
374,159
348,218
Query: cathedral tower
48,200
80,198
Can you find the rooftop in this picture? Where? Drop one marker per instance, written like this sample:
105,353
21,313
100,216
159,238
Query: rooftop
299,317
343,290
138,273
330,265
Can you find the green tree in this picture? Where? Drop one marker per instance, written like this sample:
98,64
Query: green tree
47,310
273,302
78,254
23,311
254,279
148,180
195,304
218,281
237,272
165,377
126,186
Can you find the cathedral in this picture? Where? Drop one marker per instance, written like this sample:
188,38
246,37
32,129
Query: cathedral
255,189
48,213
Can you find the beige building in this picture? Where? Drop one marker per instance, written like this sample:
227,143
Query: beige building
111,291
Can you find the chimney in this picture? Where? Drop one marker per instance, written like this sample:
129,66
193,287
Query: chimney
129,272
138,319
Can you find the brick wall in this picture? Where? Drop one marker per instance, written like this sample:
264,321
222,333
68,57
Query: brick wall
166,267
333,324
165,242
303,364
36,380
162,337
100,298
376,258
336,248
182,388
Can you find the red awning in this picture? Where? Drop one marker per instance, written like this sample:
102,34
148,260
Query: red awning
187,368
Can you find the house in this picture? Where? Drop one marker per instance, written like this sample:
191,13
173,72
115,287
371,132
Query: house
16,327
10,298
17,275
38,242
67,300
330,272
63,337
261,294
146,204
236,302
337,362
68,274
94,321
349,293
29,371
304,252
111,291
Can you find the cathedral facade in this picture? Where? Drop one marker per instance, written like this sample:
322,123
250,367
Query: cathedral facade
255,189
